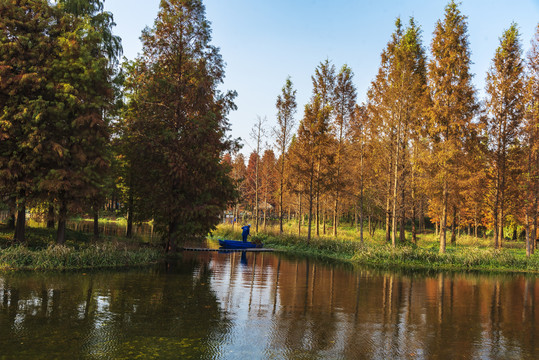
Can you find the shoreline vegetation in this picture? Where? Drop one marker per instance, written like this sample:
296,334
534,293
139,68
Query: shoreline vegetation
468,254
80,251
83,252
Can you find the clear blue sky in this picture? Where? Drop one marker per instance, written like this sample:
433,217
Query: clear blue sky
264,41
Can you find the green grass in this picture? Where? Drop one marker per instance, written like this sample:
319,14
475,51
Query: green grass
80,251
468,254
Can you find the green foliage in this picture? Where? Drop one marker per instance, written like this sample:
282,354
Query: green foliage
176,124
28,44
55,71
79,252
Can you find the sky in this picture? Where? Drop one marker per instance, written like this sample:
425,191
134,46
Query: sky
265,41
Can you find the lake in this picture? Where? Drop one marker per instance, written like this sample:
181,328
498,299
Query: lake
267,306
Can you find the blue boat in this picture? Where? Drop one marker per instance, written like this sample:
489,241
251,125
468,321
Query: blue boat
233,244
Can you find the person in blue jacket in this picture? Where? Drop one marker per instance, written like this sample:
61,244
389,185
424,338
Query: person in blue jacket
245,232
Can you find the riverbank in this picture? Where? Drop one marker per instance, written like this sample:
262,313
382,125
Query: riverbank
81,251
469,254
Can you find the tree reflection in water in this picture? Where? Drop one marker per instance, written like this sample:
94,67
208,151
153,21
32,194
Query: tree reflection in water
169,311
261,305
308,309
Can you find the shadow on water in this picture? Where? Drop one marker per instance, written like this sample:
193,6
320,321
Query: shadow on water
168,311
245,305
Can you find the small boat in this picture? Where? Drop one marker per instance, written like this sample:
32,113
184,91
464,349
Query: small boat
233,244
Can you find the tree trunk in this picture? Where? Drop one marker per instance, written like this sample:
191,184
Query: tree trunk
443,220
289,212
256,189
130,205
11,222
421,217
496,209
388,203
402,237
361,216
318,201
454,227
356,223
535,216
172,230
394,208
335,214
324,222
281,187
500,229
395,186
528,236
96,222
414,230
309,223
299,217
20,228
62,215
50,217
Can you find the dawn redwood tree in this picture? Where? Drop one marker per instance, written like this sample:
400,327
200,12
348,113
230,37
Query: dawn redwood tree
78,133
453,104
396,100
357,156
344,102
323,82
311,140
505,88
268,166
252,182
29,31
106,49
182,123
258,134
286,108
380,109
531,142
239,175
102,22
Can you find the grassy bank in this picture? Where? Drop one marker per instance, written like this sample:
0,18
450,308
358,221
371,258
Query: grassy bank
80,251
469,254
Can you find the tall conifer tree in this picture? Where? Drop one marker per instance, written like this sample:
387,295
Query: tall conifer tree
323,82
182,124
505,107
453,104
344,103
531,136
311,140
396,99
286,108
29,32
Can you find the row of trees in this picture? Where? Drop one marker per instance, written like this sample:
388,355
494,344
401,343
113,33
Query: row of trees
77,130
422,145
57,64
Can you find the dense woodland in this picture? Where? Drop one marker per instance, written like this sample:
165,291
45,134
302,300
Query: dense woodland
82,133
423,146
78,131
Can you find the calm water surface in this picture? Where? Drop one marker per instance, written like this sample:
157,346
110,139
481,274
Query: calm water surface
267,306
